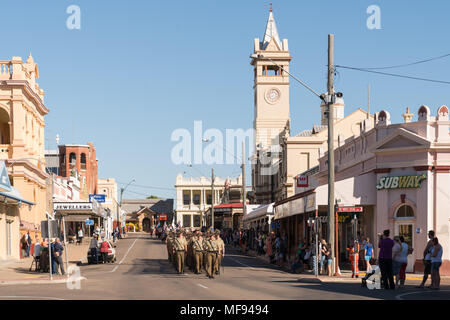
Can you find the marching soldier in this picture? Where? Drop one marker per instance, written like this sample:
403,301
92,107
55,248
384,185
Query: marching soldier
220,253
198,249
169,241
179,250
191,253
211,254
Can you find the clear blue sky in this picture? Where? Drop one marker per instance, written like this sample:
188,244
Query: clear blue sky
137,70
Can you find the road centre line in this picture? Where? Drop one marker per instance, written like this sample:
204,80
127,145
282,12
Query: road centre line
243,264
129,249
202,286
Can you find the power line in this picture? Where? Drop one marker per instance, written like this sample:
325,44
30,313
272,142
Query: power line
407,64
147,187
394,75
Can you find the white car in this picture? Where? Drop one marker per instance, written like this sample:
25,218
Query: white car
111,258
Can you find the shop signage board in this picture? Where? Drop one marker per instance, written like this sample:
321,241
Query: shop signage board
72,206
89,222
302,181
401,182
162,217
350,209
101,198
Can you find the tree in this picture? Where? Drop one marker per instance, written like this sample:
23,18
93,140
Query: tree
152,197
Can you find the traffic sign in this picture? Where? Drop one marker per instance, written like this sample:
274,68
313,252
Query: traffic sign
98,197
89,222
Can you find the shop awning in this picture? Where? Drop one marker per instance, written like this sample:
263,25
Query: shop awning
296,204
14,196
258,212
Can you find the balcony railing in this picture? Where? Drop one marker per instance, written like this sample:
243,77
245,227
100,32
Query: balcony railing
5,69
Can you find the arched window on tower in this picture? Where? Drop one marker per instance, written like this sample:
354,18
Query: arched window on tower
83,161
72,160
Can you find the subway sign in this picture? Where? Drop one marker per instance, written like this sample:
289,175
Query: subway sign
401,182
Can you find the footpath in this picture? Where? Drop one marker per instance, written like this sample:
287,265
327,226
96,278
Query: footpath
346,275
17,272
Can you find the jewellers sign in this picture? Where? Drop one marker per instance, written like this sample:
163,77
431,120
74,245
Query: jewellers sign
73,206
401,182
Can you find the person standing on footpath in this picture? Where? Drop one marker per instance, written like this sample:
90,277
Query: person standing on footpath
93,246
436,261
37,253
397,259
57,254
427,258
368,254
29,241
24,246
80,235
385,245
406,250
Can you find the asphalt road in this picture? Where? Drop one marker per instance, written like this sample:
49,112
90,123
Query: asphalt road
143,272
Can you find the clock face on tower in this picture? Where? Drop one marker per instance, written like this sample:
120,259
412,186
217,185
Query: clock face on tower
272,95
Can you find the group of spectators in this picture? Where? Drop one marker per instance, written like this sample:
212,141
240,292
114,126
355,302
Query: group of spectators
393,259
41,255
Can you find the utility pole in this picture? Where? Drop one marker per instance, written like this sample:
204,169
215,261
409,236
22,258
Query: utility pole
330,102
244,192
212,198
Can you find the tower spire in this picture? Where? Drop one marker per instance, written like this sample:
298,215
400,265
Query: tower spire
271,30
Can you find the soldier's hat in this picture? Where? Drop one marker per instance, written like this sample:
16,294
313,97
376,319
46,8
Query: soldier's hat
217,232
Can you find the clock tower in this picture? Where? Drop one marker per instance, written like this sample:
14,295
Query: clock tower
271,86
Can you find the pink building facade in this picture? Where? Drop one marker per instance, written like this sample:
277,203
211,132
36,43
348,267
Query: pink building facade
400,174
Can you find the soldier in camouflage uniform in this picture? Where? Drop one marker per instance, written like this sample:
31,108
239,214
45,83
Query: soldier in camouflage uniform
221,251
211,254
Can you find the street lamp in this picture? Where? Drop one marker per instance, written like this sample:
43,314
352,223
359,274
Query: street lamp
121,195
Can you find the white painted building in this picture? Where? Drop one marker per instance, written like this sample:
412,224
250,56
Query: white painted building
194,197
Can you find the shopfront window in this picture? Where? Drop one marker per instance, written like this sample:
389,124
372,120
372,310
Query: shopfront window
405,211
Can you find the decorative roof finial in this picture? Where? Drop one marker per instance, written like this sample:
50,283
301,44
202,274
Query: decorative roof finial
270,7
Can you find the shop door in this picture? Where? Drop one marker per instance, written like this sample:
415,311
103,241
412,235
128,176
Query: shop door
406,230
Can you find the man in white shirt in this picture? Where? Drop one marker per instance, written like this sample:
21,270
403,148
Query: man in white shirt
80,235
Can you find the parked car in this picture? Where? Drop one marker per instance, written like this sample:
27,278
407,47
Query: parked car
111,258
